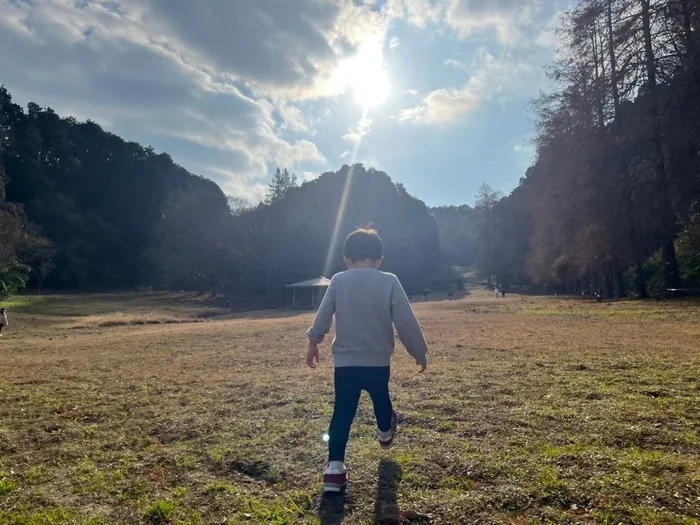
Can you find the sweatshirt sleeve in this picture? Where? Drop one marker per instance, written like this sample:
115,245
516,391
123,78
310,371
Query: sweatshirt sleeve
324,316
406,324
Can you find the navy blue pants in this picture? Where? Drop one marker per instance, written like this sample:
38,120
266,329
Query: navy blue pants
350,381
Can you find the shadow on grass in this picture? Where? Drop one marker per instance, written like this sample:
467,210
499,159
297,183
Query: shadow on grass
332,509
386,508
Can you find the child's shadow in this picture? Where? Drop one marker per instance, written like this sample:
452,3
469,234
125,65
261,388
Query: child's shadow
332,509
386,508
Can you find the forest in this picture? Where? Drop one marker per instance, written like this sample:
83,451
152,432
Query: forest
611,204
81,209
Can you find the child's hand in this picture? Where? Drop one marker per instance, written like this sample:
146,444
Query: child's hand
423,367
312,356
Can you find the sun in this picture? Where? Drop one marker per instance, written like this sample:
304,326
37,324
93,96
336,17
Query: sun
364,76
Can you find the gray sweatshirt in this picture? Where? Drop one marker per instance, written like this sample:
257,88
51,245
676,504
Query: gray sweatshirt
366,302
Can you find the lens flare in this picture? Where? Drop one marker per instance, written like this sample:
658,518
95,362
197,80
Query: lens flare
338,220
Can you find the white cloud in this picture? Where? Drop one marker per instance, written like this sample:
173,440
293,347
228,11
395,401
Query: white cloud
345,154
282,48
211,89
224,86
236,184
358,131
451,62
307,176
492,76
293,118
417,12
505,17
525,145
547,36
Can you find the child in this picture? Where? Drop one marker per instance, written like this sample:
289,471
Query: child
3,320
366,303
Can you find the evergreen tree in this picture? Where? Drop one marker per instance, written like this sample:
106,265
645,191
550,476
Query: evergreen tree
282,182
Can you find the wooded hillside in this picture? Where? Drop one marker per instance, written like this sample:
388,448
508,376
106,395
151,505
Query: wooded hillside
82,209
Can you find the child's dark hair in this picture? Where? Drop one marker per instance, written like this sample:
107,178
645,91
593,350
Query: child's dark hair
363,244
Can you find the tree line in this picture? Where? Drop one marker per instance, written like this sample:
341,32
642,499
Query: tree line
612,201
82,209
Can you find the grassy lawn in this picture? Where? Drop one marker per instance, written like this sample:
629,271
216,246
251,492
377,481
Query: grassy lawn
542,410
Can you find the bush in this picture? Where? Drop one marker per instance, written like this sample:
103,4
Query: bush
688,250
13,277
654,274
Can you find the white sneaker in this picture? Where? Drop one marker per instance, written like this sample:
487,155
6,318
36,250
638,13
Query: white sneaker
386,439
335,477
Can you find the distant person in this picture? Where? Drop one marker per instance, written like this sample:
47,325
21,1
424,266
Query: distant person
425,295
367,305
226,302
497,292
3,320
503,291
450,295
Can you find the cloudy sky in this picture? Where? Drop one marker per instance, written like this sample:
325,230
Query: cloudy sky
433,92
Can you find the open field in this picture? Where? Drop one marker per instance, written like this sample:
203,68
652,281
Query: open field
536,410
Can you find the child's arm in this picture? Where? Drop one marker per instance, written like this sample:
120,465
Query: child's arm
322,325
407,326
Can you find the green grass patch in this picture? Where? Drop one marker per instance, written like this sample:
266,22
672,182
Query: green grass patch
51,516
6,486
24,302
160,512
220,487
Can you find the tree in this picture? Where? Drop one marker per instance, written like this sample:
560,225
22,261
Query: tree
282,182
668,219
193,247
238,206
502,237
487,197
44,267
616,172
98,198
456,230
19,241
293,238
13,277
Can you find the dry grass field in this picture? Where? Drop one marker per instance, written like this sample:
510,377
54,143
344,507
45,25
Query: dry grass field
117,409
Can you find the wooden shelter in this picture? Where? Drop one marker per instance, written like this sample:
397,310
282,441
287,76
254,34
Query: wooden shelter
308,294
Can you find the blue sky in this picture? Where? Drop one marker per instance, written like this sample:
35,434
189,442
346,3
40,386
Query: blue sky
433,92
